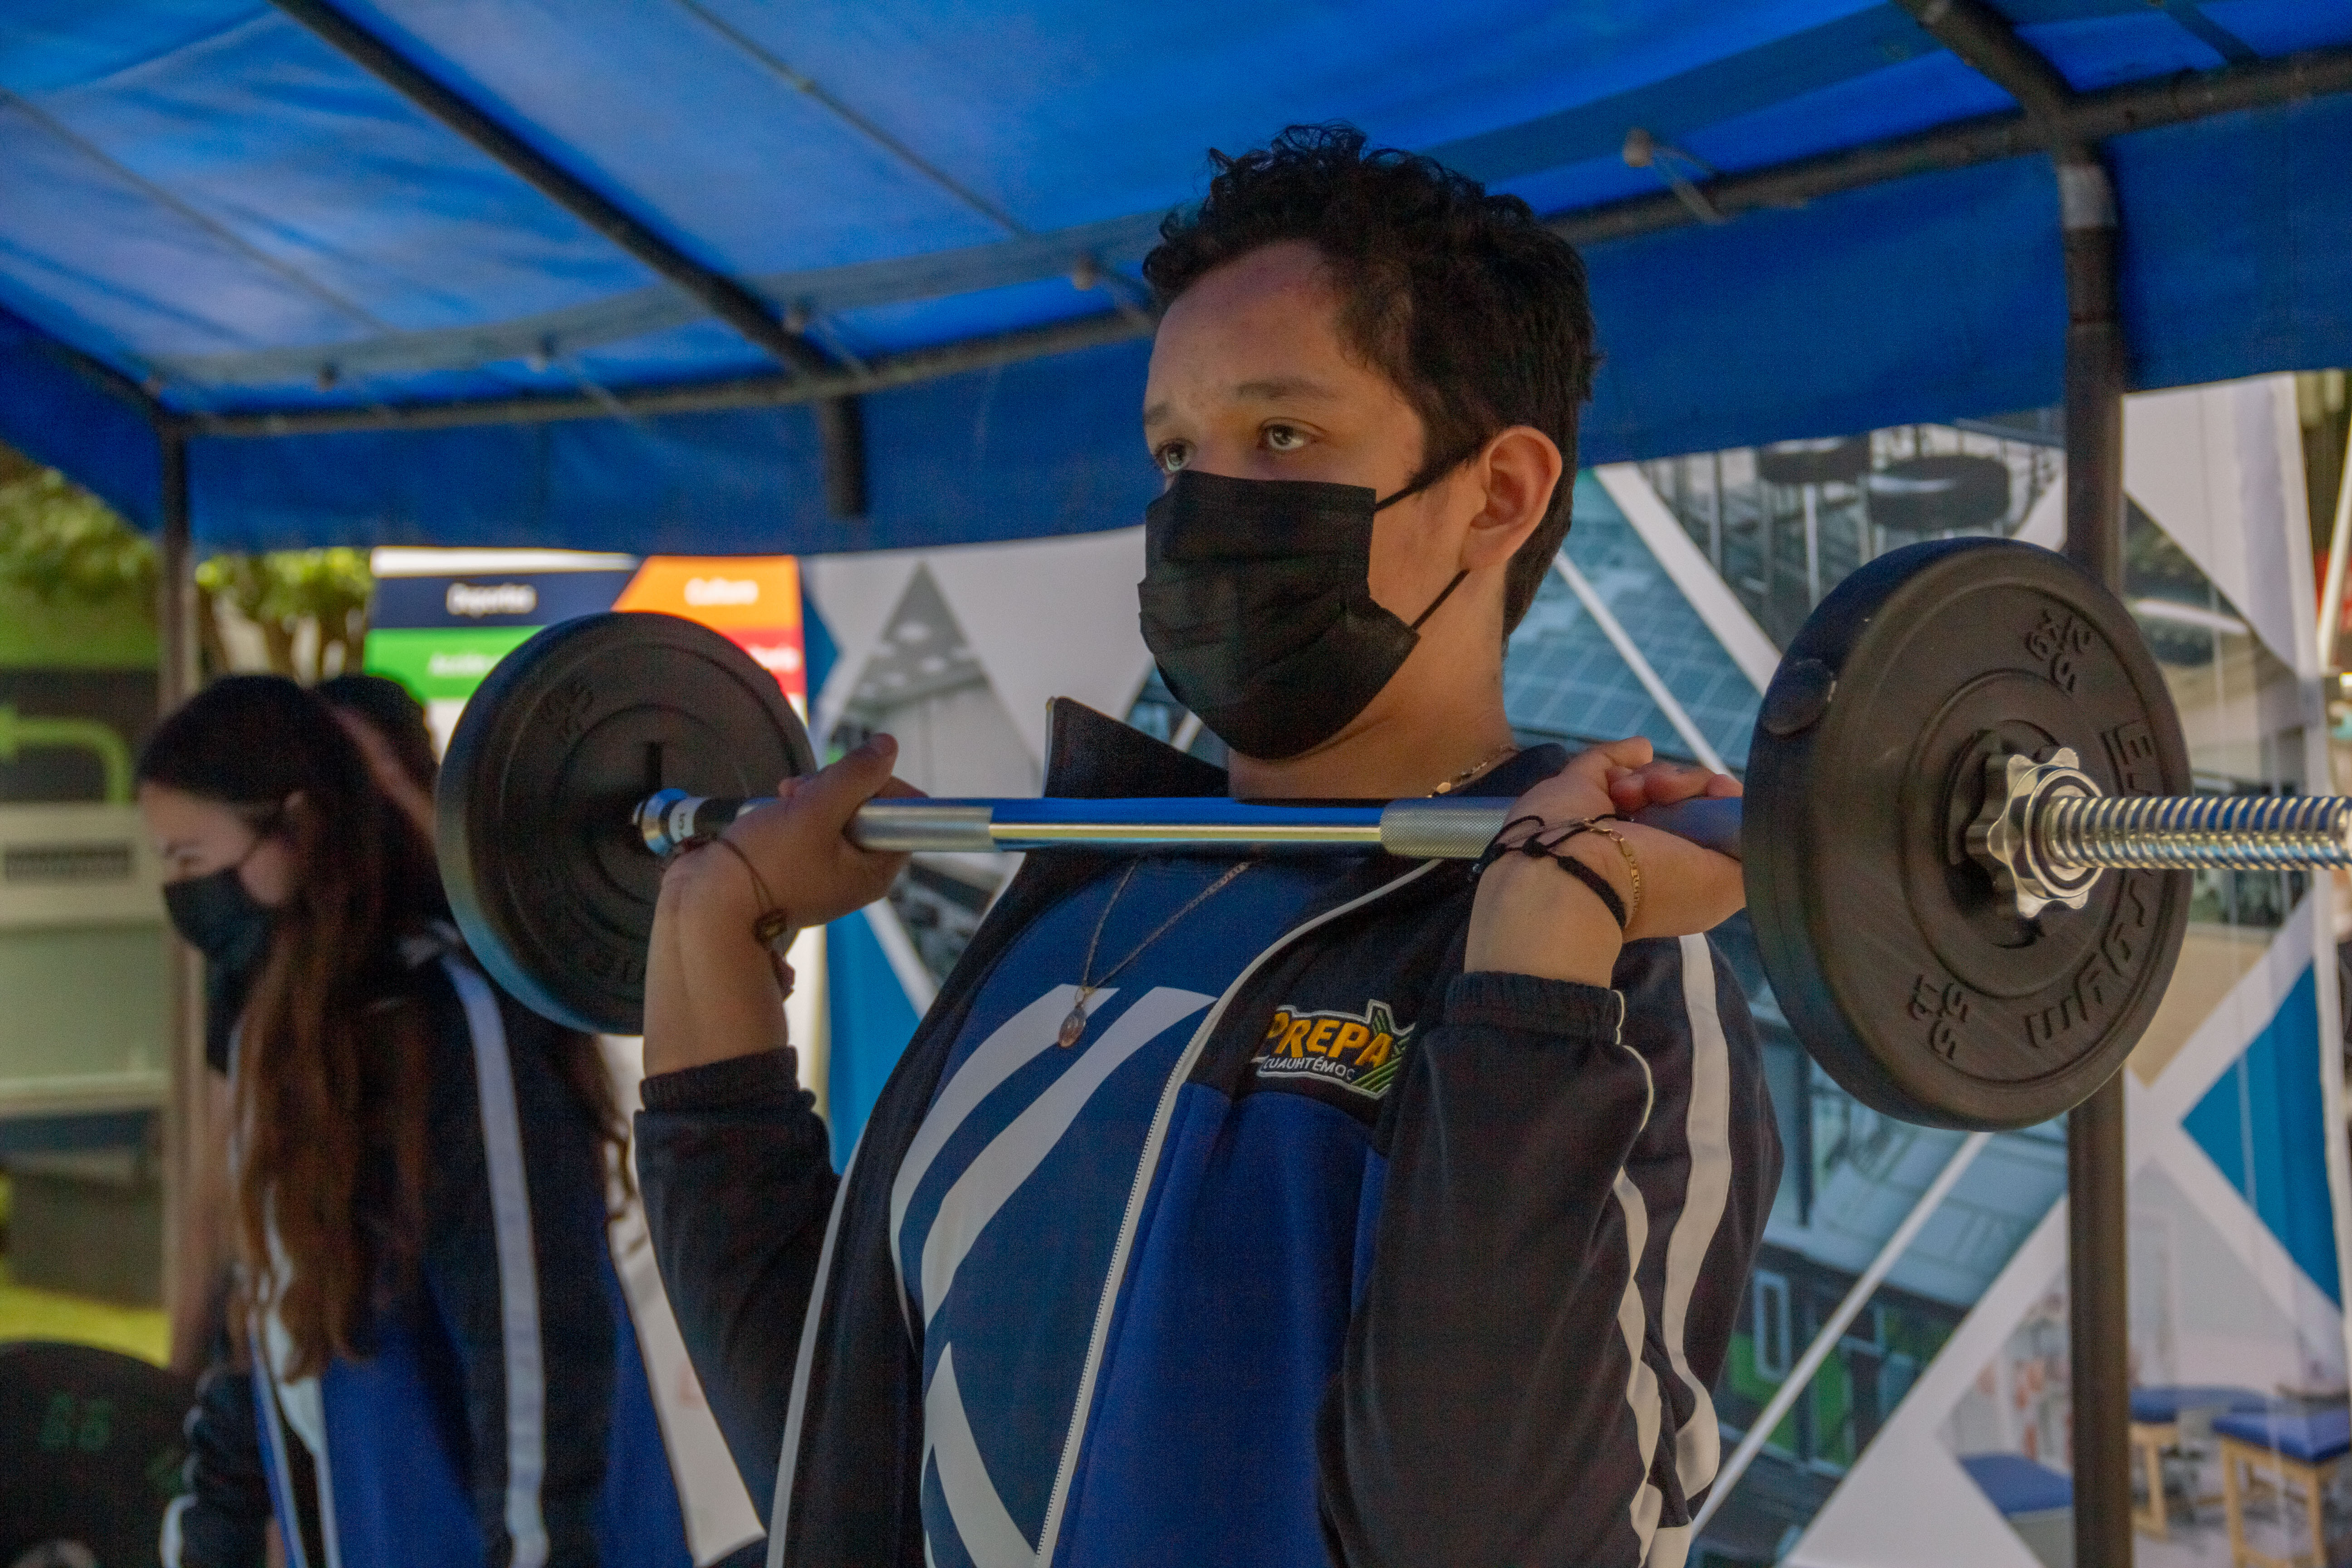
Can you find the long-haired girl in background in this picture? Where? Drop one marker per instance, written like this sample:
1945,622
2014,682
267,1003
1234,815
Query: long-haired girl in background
428,1359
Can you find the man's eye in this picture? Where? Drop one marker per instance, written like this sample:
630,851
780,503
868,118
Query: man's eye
1172,457
1285,437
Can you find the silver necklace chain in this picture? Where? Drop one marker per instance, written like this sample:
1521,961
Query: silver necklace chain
1074,1027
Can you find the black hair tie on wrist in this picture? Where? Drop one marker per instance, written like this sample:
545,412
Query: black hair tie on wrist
1495,849
1597,882
1536,847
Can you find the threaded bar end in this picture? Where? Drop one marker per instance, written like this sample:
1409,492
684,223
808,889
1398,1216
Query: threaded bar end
2223,832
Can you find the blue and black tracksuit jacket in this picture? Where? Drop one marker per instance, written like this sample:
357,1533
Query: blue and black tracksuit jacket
501,1414
1314,1248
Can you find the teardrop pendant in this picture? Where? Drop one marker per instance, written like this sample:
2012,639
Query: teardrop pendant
1074,1028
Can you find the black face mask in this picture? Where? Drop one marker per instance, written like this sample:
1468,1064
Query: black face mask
1257,605
224,922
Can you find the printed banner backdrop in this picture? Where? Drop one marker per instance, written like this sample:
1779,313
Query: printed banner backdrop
755,600
955,653
1937,1426
2236,1123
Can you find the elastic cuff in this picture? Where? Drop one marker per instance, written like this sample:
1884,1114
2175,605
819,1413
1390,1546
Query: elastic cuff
761,1078
1533,1004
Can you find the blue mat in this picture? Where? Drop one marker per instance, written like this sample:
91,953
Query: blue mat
2166,1402
2018,1485
2313,1438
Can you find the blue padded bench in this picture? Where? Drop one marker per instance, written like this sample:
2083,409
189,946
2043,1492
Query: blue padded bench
2174,1421
2038,1502
2165,1404
2285,1451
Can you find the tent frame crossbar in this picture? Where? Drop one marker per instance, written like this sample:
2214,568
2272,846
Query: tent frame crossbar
840,430
2086,117
878,373
2077,120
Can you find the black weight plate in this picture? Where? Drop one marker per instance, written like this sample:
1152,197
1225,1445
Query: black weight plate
545,871
94,1454
1907,977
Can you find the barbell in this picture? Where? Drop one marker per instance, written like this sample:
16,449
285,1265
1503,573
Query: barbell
1966,833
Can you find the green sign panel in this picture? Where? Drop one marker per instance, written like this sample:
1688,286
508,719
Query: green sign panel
441,662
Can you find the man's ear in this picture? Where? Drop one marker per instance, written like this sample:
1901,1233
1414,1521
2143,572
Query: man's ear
1520,469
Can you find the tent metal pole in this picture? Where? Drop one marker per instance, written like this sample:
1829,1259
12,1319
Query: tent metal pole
2331,597
722,296
2098,1285
716,292
175,575
2096,377
1984,39
2098,1276
841,433
177,677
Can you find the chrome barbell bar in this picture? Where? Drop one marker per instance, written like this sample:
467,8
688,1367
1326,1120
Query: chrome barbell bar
2045,833
1441,827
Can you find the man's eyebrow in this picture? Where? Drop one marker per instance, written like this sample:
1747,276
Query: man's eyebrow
1268,389
1274,388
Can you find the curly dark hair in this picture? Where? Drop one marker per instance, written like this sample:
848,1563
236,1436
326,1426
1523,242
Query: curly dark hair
1472,308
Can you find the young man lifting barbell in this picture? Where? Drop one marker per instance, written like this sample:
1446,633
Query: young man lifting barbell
1257,1210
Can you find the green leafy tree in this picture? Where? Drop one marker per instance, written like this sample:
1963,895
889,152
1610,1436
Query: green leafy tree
63,545
280,591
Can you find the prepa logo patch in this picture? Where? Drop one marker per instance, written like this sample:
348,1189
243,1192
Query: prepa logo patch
1359,1051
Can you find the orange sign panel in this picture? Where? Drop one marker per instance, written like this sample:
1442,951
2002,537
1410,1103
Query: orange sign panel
754,600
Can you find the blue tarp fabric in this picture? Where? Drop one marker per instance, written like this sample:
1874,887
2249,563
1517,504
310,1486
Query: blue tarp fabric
208,199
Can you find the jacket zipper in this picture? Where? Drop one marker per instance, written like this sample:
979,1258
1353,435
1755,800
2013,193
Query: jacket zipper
1148,1169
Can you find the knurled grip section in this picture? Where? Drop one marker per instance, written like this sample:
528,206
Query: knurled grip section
1443,827
2224,832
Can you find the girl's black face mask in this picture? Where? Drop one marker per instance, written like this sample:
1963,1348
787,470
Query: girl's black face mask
231,927
1257,605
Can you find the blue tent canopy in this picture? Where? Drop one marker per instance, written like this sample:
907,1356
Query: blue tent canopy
611,276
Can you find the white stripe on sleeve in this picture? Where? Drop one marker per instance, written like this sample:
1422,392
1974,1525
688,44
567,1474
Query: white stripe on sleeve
168,1549
281,1474
780,1507
526,1375
1648,1505
1698,1448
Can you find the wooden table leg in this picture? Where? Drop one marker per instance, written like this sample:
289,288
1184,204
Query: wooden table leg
2233,1504
2314,1493
2149,1440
